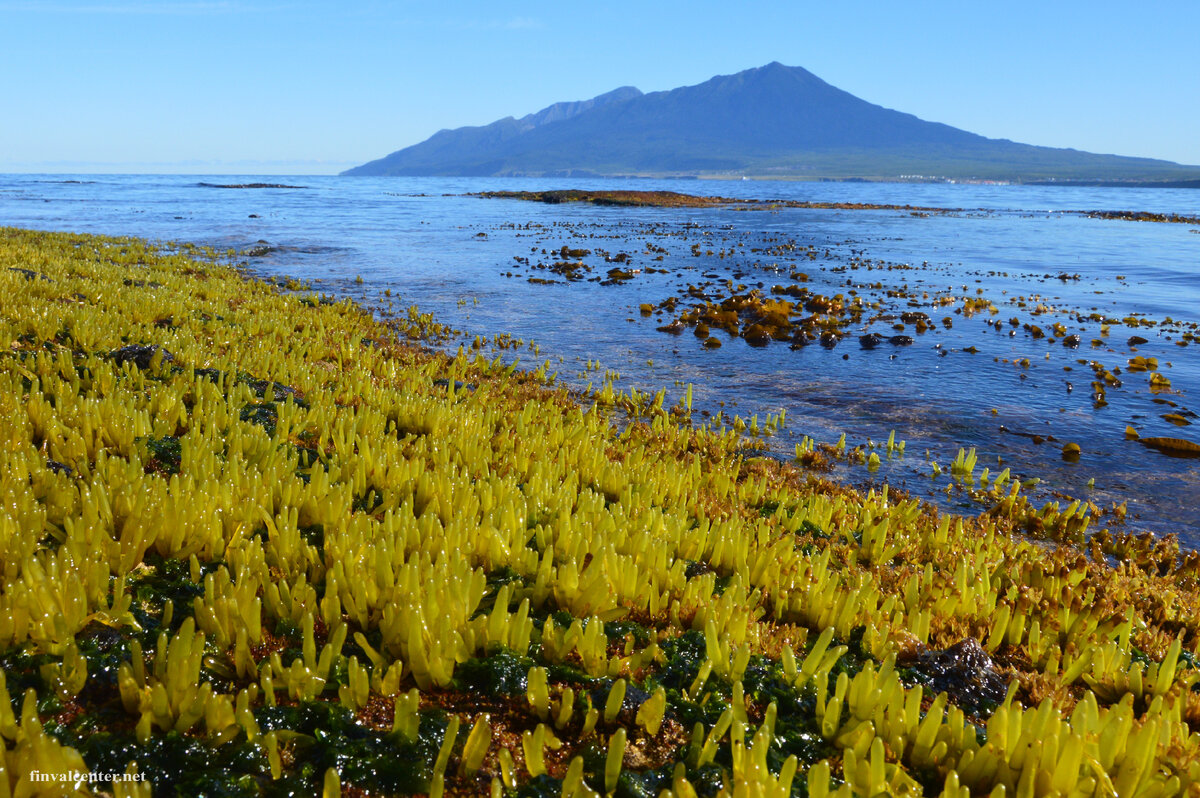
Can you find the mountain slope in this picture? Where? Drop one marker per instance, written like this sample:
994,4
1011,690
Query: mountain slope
770,120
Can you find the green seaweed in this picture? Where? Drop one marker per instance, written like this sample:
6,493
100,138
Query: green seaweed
166,454
175,764
264,414
329,737
501,672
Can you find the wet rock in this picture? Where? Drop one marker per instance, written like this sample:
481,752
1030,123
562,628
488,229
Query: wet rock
914,316
458,385
870,340
140,356
258,249
1137,340
964,671
674,328
213,375
29,274
249,185
901,340
829,339
278,392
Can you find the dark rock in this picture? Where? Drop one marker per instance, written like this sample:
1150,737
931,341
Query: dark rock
248,185
1137,340
830,339
211,374
458,385
28,274
964,671
901,340
139,355
914,316
870,340
278,392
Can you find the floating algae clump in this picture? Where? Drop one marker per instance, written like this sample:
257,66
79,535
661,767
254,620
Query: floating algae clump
376,570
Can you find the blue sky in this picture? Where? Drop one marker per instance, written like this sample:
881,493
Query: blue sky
246,86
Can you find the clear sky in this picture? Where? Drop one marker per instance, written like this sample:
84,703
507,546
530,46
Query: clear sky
250,86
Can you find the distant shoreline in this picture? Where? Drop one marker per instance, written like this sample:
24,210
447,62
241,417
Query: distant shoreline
1116,183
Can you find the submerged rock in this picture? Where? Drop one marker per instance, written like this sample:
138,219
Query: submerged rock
258,249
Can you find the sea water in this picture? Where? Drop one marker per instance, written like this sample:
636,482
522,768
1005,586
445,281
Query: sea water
1015,398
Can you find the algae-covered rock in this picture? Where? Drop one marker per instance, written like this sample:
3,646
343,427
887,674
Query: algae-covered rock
964,671
140,355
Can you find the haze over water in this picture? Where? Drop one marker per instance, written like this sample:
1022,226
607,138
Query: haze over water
1012,245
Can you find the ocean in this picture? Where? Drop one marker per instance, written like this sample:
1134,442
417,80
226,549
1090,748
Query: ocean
978,377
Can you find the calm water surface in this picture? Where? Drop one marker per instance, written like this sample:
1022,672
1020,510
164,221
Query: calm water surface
457,257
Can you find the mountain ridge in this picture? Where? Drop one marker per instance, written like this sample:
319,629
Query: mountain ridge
773,120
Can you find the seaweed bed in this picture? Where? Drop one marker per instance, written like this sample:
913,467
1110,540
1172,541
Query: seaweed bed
255,542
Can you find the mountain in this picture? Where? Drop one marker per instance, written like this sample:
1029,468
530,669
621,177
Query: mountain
773,120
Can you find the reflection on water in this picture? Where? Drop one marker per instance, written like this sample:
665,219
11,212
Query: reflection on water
983,381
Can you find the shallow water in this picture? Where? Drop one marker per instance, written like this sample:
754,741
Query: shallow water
451,255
